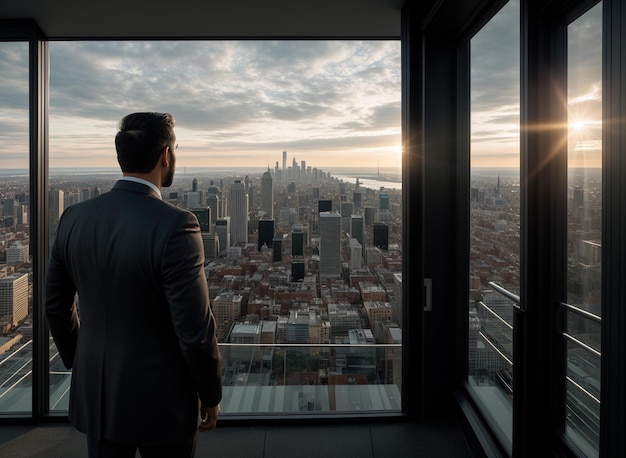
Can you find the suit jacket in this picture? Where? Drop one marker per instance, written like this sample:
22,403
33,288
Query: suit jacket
144,350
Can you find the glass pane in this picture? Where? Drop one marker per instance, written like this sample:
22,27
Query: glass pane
16,330
290,157
332,378
494,215
584,227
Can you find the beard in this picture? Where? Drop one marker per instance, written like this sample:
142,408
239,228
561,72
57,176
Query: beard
168,179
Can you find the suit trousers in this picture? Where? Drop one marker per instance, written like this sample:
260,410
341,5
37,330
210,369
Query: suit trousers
103,448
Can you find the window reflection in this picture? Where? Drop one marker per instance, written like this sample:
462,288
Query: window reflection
494,215
584,229
15,257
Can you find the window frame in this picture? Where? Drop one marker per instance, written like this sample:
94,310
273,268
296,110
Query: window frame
539,398
28,31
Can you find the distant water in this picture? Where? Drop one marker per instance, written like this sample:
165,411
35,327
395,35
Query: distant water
375,182
368,177
13,173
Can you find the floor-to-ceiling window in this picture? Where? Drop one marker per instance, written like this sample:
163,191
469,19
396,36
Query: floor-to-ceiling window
289,154
494,220
584,230
16,330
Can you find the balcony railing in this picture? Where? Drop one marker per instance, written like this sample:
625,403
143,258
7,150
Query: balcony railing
493,380
258,379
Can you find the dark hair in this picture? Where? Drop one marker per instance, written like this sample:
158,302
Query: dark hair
141,138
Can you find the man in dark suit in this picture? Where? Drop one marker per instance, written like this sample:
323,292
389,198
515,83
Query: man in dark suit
141,341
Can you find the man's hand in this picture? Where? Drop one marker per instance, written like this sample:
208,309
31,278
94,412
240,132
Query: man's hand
208,417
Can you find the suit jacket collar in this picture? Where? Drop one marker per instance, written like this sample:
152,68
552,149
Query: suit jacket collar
133,186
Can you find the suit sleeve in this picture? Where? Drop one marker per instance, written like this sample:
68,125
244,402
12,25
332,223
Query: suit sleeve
187,294
60,305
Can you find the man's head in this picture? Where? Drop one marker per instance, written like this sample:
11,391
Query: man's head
142,140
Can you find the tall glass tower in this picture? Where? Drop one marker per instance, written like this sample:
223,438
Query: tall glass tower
330,244
357,229
213,202
267,194
238,212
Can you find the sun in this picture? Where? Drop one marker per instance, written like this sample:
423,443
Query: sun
577,125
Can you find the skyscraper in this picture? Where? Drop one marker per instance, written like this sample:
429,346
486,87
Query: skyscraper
381,236
226,308
238,212
370,215
383,201
222,230
277,249
56,206
297,241
297,270
267,194
324,205
213,201
14,297
194,199
284,161
357,198
211,244
16,253
356,254
9,211
203,215
194,185
247,184
330,244
347,209
266,233
357,230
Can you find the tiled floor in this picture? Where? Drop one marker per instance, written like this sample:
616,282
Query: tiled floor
439,438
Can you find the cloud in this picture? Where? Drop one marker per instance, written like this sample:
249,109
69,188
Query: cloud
237,96
14,140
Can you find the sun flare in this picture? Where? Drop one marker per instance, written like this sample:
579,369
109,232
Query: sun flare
578,125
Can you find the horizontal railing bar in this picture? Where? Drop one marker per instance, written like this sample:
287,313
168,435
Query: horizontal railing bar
582,390
16,352
496,349
496,315
582,345
505,292
583,313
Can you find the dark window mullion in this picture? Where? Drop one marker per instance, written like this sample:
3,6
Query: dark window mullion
539,351
38,211
613,379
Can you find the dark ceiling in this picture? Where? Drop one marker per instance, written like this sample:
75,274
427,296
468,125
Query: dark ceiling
61,19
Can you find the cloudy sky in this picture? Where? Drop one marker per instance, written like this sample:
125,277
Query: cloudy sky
241,103
495,90
236,103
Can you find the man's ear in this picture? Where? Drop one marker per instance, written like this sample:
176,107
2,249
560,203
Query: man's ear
165,157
